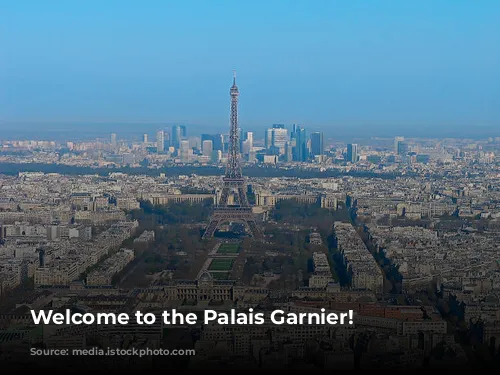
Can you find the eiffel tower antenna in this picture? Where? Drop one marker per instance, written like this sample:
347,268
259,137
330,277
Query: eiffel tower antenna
233,181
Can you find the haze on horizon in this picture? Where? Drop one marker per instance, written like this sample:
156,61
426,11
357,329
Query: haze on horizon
377,68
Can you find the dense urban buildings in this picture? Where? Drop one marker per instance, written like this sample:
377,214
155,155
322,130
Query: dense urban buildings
409,226
401,231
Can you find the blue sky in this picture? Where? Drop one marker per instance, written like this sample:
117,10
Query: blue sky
331,65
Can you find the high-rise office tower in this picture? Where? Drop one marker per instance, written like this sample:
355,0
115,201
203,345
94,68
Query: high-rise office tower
275,138
268,139
195,143
246,143
240,136
207,147
246,147
403,148
145,138
216,156
317,144
178,133
300,150
396,143
206,137
166,140
279,137
176,136
217,140
225,142
160,141
352,153
184,150
248,136
113,141
289,150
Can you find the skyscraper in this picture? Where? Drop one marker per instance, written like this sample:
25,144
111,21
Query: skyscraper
113,141
183,131
225,142
403,148
207,147
279,137
352,153
184,150
248,136
396,143
194,142
176,136
166,140
289,150
217,141
268,138
206,137
317,144
275,138
247,143
300,149
145,138
160,141
216,156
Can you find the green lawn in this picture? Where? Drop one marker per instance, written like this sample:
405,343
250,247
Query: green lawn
221,265
228,248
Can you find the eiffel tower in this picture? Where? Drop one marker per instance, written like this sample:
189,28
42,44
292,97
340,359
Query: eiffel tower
233,182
